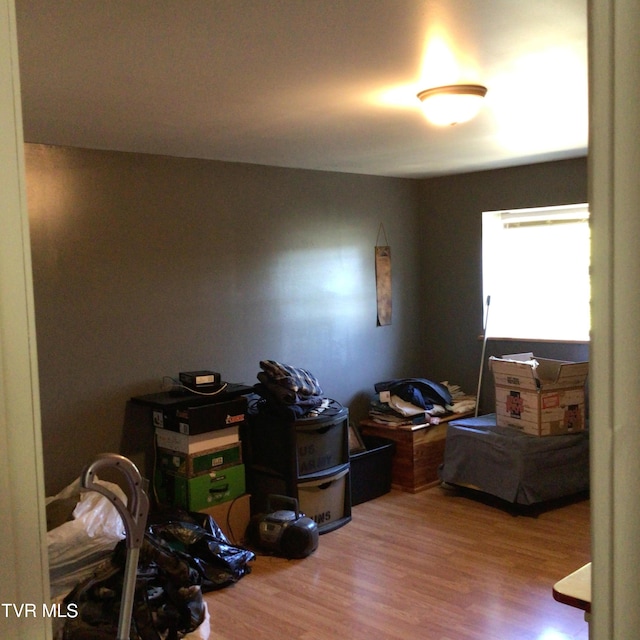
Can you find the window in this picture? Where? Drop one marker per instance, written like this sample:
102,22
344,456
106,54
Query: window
535,268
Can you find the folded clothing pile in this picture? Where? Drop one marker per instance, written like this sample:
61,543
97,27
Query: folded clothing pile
288,390
424,394
418,400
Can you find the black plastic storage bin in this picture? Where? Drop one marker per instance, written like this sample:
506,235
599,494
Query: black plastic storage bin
301,447
324,497
327,499
307,459
371,469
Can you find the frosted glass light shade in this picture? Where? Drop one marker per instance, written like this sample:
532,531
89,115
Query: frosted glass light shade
452,104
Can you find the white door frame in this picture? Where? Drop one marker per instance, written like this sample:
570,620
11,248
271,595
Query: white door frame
614,162
23,557
614,168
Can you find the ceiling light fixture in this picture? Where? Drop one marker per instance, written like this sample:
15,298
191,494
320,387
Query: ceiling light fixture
452,103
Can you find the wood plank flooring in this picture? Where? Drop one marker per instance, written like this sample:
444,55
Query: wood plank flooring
435,565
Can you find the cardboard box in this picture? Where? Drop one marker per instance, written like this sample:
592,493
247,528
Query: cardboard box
201,418
232,517
539,396
190,465
174,441
207,490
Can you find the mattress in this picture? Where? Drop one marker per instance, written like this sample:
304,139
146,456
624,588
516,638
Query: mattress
514,466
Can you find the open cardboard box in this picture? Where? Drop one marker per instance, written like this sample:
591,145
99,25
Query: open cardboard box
539,396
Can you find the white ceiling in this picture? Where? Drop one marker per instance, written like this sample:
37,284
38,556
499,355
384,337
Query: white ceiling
316,84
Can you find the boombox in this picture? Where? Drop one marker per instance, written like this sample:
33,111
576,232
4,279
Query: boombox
285,532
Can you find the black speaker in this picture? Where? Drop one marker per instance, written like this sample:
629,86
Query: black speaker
286,533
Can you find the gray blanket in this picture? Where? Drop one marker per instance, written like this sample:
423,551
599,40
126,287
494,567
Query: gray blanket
514,466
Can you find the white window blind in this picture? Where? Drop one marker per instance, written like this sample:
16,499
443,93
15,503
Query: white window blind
535,268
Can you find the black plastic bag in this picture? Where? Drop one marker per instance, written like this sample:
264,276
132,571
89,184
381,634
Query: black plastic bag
197,535
183,555
167,603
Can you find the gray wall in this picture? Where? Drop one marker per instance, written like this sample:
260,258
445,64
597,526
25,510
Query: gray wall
451,246
145,266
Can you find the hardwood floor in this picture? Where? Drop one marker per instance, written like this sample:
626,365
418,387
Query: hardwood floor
435,565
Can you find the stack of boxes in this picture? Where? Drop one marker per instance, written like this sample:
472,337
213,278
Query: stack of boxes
199,454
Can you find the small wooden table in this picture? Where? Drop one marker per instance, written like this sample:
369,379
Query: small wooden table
419,450
575,590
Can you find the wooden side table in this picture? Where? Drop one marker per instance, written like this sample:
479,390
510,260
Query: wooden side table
419,451
575,590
